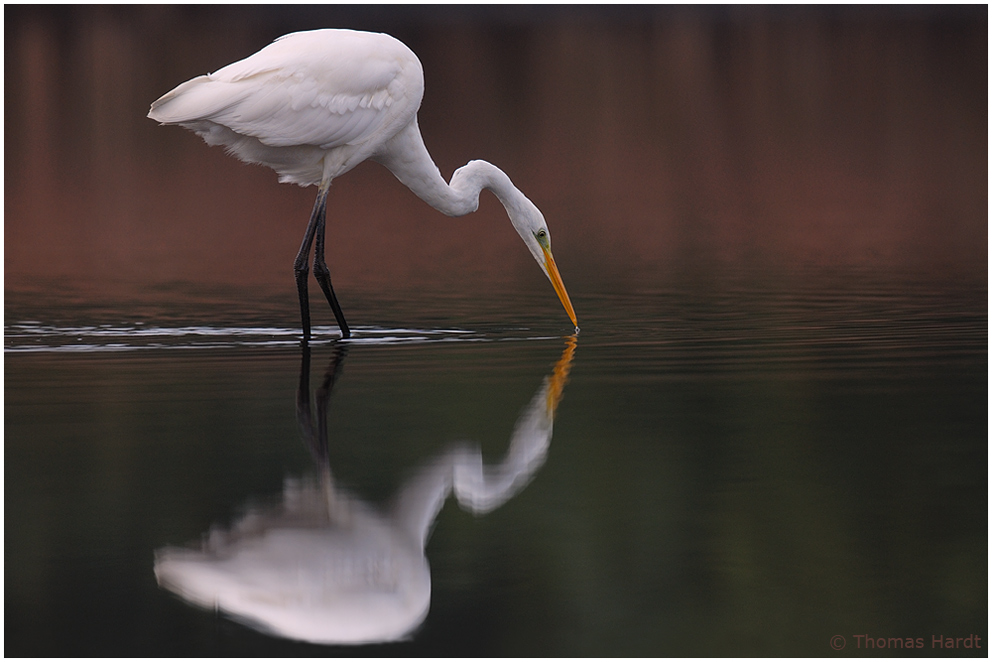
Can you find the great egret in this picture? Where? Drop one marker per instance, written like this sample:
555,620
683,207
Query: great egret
313,105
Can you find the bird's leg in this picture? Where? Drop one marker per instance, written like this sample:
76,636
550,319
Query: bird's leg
323,274
300,265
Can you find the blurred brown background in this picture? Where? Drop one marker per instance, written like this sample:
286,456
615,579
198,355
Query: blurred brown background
652,138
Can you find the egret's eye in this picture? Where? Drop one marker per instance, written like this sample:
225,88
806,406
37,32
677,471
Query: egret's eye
542,239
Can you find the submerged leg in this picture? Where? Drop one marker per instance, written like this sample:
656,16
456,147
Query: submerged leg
300,265
323,274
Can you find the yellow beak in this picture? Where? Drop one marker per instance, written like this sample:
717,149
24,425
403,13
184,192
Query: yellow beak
549,263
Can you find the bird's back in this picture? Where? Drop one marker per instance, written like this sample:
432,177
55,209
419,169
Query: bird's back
310,105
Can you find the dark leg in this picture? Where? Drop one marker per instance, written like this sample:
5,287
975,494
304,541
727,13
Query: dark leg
300,265
323,274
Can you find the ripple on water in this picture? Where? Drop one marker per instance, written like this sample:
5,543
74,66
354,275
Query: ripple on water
37,337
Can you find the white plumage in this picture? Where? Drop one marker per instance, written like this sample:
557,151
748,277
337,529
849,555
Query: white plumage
301,97
313,105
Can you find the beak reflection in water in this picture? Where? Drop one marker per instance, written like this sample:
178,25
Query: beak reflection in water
323,566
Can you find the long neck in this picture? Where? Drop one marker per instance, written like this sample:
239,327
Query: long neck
407,158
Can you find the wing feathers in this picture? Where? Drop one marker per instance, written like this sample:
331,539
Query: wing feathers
324,88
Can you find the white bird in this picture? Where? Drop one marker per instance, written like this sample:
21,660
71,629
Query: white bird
312,106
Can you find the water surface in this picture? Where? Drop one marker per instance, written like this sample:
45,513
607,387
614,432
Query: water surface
739,465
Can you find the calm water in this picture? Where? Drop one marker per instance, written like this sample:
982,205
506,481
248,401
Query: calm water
740,464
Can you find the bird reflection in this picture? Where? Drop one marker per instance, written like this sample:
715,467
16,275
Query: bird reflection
325,567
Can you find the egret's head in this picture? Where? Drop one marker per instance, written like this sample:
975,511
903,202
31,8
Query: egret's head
533,229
